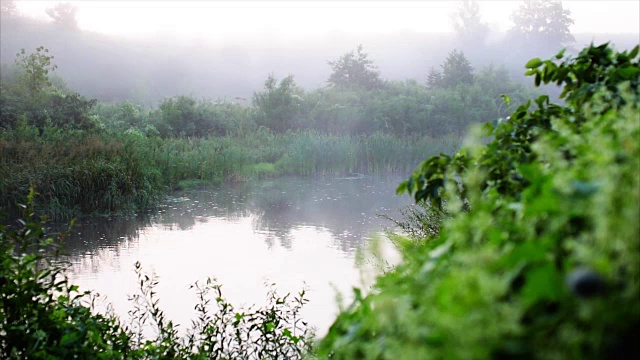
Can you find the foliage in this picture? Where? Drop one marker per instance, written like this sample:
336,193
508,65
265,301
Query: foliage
354,70
400,108
456,70
434,79
72,111
278,107
185,116
86,157
543,22
78,172
29,92
539,258
594,70
64,15
35,69
468,24
419,222
182,116
44,316
125,116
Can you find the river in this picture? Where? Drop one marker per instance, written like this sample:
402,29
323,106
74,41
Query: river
294,232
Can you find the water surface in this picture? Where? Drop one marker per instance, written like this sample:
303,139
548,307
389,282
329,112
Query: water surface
295,232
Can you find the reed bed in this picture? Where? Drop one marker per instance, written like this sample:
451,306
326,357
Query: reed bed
79,173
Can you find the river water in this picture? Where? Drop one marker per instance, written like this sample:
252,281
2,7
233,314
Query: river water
294,232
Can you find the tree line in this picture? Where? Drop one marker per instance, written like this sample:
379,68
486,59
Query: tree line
356,100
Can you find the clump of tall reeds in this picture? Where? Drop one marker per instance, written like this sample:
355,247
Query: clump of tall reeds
77,172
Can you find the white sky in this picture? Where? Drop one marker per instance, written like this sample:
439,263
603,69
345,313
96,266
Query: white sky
220,19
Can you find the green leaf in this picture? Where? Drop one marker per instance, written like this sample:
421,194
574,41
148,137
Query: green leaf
533,63
542,283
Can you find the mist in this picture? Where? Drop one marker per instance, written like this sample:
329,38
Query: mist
146,66
410,179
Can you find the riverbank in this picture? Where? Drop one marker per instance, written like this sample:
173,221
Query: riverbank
78,173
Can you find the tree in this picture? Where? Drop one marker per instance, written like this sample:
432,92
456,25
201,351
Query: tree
468,24
434,79
183,117
35,68
278,107
8,7
71,111
354,70
543,25
456,70
64,15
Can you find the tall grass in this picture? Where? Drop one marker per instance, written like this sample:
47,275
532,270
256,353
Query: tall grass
79,173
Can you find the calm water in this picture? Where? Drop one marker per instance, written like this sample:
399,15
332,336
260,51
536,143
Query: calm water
294,232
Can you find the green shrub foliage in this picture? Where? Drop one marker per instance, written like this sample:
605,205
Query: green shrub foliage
538,257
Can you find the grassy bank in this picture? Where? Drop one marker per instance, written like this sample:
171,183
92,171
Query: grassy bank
76,172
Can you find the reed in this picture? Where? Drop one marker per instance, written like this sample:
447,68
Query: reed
78,173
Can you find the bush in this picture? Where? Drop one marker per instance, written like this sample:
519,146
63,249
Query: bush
540,256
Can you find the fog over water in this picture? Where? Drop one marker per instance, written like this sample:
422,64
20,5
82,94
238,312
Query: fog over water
299,233
148,50
292,230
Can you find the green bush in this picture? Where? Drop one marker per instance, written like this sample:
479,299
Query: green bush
539,257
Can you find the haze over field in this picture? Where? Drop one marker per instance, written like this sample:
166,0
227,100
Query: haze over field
228,21
148,50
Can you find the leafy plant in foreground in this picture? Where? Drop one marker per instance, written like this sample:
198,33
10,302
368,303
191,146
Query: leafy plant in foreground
539,259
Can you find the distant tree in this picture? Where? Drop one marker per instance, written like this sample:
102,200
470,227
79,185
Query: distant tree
34,71
544,23
434,79
456,70
468,23
278,107
354,70
8,7
64,15
183,116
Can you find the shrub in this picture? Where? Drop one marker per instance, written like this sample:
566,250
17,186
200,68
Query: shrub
540,256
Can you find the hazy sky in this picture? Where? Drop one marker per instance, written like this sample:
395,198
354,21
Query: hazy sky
220,19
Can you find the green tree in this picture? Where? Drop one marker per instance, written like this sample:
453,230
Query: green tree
182,116
64,16
434,79
71,111
35,68
278,107
542,25
468,23
354,70
456,70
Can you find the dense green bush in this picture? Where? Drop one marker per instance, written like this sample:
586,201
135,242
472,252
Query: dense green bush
539,257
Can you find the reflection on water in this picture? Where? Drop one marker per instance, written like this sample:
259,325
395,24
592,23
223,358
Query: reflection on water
290,231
